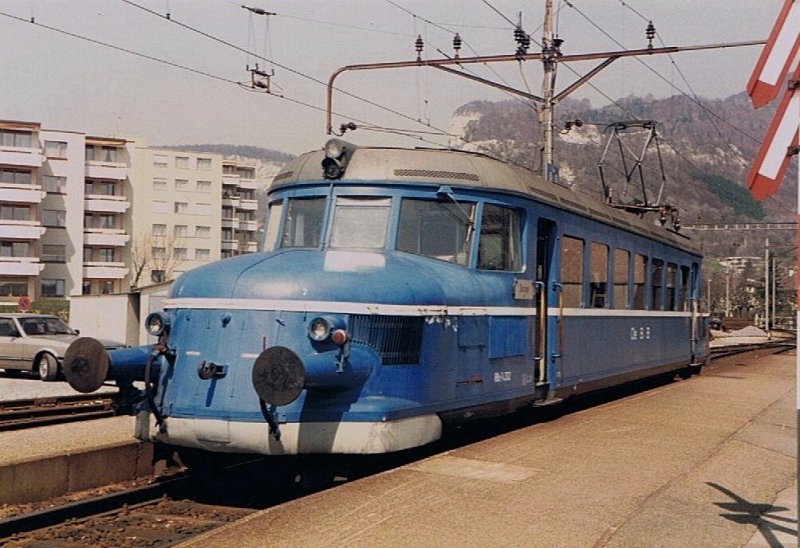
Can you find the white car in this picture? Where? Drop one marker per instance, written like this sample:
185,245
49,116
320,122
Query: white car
36,343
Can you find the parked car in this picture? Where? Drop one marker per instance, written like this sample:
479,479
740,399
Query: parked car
36,343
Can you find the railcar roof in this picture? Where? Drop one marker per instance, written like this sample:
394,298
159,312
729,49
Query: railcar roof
467,169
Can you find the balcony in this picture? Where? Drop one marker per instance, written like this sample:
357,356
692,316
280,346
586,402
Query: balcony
113,237
100,270
24,194
20,266
230,223
230,200
106,204
248,226
247,205
249,247
229,245
21,156
230,180
107,170
250,184
21,230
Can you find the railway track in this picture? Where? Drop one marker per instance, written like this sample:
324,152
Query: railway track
19,414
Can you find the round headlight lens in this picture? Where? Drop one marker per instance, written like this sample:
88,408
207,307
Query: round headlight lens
334,149
319,329
155,324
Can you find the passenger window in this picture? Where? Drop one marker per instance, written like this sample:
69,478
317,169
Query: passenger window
572,271
671,302
499,247
639,269
7,328
360,222
598,275
683,303
440,230
656,283
303,223
622,259
273,222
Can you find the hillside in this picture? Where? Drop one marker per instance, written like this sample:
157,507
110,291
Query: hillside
706,151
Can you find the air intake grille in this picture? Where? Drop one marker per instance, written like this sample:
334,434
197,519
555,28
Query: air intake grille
436,174
396,338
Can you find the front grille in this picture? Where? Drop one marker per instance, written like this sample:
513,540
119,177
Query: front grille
396,338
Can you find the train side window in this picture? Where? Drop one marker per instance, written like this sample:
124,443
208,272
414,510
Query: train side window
671,302
499,247
598,275
572,271
273,222
683,298
656,283
440,230
639,269
360,222
303,224
622,259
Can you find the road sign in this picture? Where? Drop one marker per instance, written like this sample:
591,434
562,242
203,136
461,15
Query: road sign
24,303
776,58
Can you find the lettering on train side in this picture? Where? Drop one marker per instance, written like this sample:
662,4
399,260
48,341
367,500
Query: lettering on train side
641,333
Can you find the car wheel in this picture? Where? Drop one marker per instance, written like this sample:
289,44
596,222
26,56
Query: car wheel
48,367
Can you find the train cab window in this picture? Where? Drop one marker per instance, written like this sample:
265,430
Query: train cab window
499,247
572,271
303,223
440,230
273,222
656,283
622,259
639,282
671,302
598,275
360,222
683,295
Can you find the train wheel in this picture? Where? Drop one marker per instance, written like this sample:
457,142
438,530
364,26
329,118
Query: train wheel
47,367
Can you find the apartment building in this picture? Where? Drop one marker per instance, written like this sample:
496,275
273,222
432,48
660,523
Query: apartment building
86,215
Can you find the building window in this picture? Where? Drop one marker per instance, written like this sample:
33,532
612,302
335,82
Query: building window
108,188
86,287
204,164
52,287
10,287
160,161
202,254
54,217
227,213
108,221
14,249
11,138
202,231
157,276
54,185
181,184
181,207
109,154
106,287
54,253
15,176
159,184
181,253
55,149
15,213
181,231
182,162
158,252
105,255
203,186
159,230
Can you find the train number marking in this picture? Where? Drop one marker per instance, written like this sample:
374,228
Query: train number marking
502,376
640,333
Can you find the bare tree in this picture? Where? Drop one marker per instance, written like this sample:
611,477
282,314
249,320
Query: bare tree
154,254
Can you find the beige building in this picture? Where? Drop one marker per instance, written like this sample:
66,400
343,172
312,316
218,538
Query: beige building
84,215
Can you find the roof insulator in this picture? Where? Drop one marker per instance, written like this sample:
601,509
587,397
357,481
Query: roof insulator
650,33
418,45
457,44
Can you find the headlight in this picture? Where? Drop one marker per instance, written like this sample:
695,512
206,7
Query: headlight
319,329
156,323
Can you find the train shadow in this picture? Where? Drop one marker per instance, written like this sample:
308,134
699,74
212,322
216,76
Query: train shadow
742,511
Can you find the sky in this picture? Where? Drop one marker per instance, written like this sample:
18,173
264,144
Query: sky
69,83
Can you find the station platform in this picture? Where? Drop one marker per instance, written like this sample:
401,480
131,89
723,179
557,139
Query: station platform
709,461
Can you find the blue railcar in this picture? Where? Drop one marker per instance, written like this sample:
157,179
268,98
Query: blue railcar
400,290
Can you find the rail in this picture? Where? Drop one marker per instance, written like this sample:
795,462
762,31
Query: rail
28,413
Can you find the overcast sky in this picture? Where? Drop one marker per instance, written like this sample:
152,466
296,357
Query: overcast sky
67,83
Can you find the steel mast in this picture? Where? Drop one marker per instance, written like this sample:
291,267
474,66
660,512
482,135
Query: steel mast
547,130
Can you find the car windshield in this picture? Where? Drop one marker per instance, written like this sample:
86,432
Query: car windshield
45,326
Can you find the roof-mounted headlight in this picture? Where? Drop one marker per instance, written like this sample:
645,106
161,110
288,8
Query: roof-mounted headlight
156,323
337,154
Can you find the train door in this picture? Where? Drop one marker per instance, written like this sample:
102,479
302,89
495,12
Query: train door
545,238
